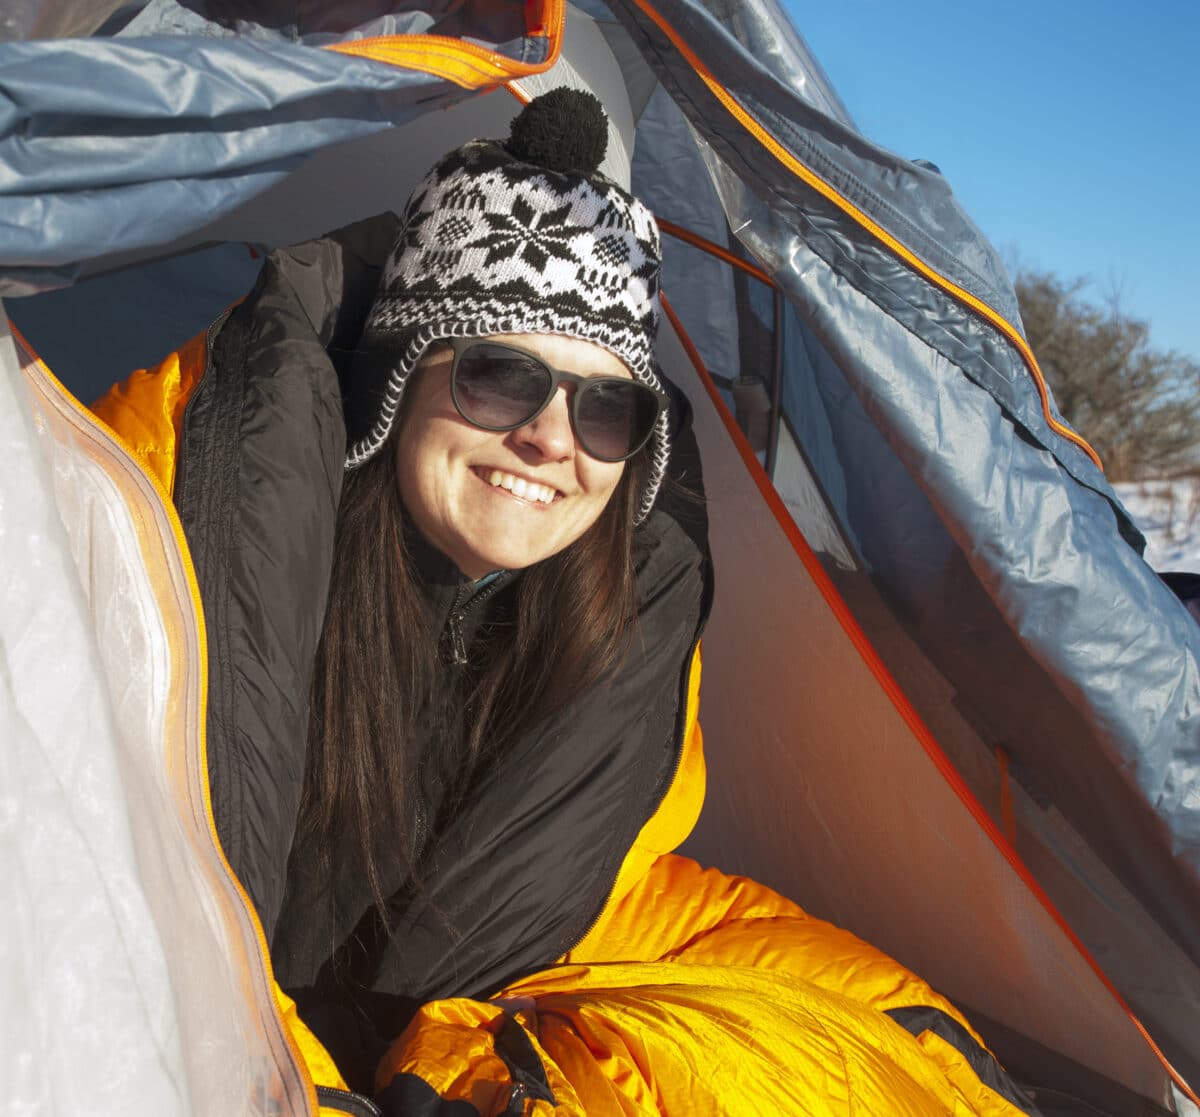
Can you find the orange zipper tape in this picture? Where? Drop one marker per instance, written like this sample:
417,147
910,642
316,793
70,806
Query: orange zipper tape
826,191
463,63
202,651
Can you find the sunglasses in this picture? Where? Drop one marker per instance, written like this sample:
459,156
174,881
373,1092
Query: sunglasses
500,388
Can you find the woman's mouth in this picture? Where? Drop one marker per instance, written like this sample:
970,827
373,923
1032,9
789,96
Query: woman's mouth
530,491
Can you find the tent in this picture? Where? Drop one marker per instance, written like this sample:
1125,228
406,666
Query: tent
945,702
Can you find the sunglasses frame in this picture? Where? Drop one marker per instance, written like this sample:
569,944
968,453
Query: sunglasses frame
461,345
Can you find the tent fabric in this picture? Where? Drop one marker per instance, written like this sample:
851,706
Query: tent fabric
64,858
674,183
132,970
773,211
176,134
177,129
778,802
914,557
1053,563
784,89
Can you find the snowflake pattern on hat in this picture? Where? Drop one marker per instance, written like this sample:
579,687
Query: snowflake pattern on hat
484,225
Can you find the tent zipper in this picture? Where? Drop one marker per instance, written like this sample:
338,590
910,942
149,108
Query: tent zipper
264,949
103,431
210,336
446,56
801,171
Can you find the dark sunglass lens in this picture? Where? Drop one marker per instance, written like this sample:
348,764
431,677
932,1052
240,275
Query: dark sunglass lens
614,417
498,387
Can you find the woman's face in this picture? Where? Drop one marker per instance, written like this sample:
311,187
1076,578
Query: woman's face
461,484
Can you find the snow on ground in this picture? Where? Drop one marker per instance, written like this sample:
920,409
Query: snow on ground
1168,513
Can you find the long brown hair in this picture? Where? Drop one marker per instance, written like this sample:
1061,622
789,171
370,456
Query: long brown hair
377,675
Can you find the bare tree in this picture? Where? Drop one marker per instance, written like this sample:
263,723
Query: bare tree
1138,406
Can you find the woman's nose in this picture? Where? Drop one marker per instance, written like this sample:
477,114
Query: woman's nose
550,434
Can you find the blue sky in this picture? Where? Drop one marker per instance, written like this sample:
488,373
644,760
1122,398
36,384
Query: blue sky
1069,130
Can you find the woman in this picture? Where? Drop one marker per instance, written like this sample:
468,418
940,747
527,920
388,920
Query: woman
432,486
517,790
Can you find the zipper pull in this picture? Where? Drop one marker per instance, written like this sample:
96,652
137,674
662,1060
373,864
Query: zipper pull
458,646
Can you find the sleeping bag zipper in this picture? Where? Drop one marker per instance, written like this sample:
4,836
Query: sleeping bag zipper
680,744
210,337
346,1101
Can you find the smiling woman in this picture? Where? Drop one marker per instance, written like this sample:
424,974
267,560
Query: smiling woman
448,528
484,736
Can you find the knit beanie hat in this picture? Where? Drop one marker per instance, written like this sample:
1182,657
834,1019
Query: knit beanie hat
520,236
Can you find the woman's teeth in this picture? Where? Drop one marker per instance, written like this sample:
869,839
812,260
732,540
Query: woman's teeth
518,486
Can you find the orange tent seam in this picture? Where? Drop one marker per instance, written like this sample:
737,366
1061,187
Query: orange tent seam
743,117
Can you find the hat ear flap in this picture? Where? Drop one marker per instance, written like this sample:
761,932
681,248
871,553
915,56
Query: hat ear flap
367,378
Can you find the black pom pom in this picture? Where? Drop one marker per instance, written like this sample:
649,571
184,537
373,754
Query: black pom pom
564,130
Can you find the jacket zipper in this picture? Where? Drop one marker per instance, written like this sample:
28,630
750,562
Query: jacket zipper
466,600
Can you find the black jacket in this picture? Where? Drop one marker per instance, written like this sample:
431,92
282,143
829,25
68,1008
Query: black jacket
527,863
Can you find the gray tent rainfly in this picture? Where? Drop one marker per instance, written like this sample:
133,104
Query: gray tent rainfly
946,704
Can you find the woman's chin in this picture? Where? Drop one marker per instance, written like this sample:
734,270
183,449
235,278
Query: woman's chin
478,561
